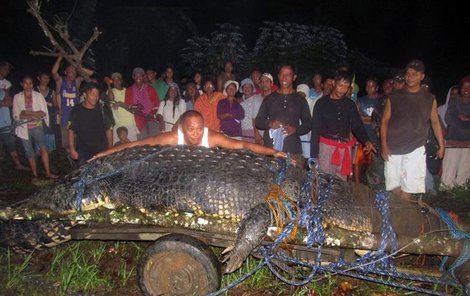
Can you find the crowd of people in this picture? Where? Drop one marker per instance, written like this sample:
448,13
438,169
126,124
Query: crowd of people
327,119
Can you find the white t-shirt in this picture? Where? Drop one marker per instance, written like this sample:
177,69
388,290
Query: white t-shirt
5,84
166,111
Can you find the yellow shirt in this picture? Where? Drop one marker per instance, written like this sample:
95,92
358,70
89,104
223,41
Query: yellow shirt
122,117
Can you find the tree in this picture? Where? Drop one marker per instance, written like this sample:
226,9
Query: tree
72,50
313,47
208,55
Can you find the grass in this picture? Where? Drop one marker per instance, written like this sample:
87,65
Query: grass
17,273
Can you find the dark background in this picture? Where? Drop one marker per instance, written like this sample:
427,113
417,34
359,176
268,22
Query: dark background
151,33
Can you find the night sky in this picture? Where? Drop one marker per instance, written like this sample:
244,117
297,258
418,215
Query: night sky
392,32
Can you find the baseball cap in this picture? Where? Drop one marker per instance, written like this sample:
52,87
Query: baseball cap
137,71
269,76
416,65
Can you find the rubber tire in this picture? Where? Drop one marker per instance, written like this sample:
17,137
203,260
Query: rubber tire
178,264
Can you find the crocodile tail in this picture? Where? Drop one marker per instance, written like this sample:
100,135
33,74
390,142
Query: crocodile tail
28,235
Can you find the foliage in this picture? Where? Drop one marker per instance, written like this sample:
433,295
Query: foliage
313,47
208,54
310,48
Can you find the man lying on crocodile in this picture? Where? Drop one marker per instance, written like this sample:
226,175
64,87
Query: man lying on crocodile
191,131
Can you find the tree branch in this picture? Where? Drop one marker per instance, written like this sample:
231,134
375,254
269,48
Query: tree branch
96,34
45,54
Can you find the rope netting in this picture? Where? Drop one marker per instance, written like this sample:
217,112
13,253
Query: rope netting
375,266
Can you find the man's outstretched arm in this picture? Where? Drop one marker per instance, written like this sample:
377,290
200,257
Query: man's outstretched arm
219,140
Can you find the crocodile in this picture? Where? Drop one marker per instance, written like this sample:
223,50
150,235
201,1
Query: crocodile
223,185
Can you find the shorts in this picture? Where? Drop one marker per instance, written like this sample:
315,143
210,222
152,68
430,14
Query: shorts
36,135
8,139
406,171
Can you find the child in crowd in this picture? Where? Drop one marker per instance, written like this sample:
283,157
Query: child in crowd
122,134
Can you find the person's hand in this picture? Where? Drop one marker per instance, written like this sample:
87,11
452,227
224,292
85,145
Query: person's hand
369,147
440,152
73,154
114,105
275,124
289,130
385,152
108,81
258,139
280,154
226,115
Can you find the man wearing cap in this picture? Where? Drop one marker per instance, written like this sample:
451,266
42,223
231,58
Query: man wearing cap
266,87
404,130
286,111
122,116
145,99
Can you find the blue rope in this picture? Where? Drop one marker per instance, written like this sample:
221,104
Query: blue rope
458,234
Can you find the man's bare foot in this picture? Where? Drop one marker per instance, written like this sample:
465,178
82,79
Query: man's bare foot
52,176
22,168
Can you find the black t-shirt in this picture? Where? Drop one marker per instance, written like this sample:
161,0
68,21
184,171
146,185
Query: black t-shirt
89,126
335,119
289,109
409,123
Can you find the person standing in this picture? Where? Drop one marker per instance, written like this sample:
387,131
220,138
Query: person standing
50,97
455,166
122,116
171,108
247,88
335,120
30,105
230,112
90,130
6,136
285,114
5,84
143,96
404,129
67,89
225,76
206,104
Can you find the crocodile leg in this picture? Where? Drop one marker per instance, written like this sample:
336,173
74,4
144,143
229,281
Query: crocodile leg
251,233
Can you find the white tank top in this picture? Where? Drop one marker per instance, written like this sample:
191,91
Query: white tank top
204,142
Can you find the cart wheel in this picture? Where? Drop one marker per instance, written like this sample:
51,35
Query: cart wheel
178,264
